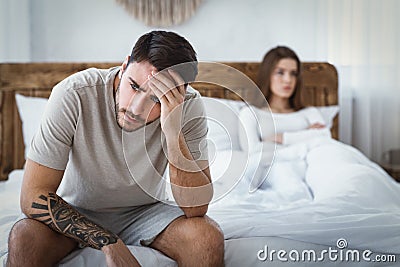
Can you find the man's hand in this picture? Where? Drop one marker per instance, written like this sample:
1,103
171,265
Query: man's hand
169,87
190,179
118,255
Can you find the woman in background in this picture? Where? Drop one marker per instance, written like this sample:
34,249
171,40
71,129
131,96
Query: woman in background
280,80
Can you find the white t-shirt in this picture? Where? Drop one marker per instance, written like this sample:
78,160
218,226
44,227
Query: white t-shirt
79,134
258,126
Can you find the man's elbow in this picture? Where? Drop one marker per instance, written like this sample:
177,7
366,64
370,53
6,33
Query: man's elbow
25,204
25,200
194,204
199,211
28,198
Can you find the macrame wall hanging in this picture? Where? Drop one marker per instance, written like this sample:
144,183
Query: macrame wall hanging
161,12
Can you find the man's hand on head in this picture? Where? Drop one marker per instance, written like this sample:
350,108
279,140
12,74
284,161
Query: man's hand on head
169,87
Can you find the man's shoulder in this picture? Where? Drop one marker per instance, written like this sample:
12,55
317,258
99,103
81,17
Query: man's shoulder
191,93
193,105
86,78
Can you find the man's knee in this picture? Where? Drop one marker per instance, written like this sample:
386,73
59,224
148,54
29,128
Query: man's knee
207,237
31,242
20,242
21,234
211,234
203,228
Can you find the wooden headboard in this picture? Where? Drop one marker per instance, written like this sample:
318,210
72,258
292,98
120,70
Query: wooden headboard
37,79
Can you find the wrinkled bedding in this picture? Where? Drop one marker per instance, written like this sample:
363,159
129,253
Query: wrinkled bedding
316,193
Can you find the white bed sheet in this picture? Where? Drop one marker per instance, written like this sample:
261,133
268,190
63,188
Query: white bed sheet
9,209
352,198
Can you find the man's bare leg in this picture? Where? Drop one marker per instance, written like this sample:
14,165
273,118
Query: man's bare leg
31,243
196,241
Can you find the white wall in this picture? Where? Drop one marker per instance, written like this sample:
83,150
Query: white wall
3,33
235,30
100,30
15,23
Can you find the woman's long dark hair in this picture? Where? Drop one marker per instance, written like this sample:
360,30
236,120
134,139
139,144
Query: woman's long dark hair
267,67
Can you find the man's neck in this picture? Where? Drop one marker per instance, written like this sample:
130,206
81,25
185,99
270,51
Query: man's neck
116,82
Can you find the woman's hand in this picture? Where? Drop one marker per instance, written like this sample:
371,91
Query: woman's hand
316,126
277,138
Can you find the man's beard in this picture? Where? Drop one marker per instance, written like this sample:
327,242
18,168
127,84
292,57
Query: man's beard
122,113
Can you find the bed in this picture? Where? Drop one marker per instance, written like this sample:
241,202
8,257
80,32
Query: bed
350,218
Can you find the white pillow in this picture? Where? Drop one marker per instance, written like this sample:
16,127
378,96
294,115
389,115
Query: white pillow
30,110
227,169
222,119
328,114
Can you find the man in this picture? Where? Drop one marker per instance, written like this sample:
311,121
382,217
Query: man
92,173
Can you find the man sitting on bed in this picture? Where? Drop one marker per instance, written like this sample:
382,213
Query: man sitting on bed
89,183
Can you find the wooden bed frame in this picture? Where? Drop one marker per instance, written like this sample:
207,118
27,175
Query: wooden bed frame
37,79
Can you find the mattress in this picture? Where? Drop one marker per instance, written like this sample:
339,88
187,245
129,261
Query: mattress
348,216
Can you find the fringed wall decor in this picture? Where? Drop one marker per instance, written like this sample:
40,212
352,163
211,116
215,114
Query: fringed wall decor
161,12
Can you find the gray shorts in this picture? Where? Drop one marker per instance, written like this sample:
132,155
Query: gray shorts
138,225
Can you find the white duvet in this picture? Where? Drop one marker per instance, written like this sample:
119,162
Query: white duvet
317,192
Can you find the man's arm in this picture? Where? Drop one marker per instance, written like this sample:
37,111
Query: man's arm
190,180
39,201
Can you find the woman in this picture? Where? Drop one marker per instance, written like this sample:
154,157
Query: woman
280,81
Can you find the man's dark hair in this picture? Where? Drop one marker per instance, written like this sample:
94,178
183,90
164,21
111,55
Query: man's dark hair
163,50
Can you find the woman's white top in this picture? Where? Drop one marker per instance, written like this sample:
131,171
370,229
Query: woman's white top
258,126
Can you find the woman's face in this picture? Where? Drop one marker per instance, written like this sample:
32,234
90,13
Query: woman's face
284,77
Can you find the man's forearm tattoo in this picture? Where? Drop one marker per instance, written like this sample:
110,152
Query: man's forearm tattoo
61,217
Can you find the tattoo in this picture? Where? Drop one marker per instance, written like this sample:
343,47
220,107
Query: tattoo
61,217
